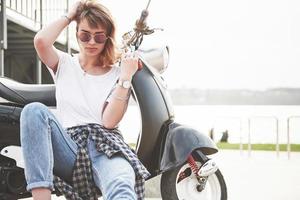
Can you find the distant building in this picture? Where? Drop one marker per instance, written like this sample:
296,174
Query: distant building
19,22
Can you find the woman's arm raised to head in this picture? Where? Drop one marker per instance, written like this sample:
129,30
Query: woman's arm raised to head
45,38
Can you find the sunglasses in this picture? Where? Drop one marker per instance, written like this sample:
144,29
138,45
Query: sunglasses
99,38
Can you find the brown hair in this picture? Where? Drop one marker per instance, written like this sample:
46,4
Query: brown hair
96,14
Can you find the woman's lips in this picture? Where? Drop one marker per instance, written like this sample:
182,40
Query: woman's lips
90,48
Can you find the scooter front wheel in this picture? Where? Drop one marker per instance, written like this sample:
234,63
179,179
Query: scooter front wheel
176,187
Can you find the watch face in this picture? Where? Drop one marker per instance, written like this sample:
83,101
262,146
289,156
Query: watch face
126,84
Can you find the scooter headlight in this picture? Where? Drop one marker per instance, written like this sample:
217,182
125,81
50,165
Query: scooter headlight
157,58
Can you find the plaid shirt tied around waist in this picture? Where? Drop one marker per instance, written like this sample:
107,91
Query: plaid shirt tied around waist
109,141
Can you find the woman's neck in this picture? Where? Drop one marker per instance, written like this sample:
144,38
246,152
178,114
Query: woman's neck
89,61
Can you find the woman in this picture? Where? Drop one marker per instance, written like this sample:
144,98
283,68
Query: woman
81,143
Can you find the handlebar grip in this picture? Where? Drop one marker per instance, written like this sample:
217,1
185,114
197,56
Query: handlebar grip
143,17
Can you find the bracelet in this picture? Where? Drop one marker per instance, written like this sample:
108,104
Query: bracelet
68,18
121,98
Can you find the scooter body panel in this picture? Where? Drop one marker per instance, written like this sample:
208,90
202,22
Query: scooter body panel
154,113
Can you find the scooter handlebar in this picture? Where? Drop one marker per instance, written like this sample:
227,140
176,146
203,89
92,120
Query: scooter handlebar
141,22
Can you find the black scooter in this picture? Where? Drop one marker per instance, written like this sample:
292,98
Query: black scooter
164,146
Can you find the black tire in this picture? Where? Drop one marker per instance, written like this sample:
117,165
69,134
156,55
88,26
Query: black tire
168,184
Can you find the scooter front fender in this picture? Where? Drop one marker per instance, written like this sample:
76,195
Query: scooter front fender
180,142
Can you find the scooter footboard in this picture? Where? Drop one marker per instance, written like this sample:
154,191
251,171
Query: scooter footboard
180,142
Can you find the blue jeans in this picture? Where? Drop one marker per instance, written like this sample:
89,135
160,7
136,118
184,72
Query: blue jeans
48,149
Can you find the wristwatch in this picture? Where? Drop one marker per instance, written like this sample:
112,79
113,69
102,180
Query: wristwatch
124,83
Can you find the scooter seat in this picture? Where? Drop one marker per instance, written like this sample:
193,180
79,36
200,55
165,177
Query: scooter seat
21,93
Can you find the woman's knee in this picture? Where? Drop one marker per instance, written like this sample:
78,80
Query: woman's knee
122,175
121,187
126,176
32,110
32,118
116,178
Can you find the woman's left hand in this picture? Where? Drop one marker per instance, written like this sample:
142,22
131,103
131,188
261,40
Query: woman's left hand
129,65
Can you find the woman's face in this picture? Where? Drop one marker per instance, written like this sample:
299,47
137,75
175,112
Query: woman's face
91,40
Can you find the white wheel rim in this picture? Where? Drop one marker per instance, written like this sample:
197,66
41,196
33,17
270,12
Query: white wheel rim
186,188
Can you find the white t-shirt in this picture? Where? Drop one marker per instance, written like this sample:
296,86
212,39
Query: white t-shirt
80,97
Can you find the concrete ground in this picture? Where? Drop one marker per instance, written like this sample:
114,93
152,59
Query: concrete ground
262,176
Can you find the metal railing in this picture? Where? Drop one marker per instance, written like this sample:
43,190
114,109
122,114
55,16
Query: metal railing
249,131
277,131
28,8
39,11
32,15
289,134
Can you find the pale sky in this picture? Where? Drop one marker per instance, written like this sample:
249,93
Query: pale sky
233,44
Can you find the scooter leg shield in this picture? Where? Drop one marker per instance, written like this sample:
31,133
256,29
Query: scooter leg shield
180,142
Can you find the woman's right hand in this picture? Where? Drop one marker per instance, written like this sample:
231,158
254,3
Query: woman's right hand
73,10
